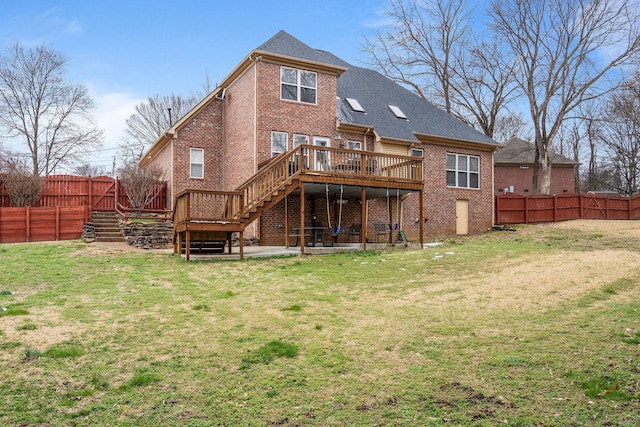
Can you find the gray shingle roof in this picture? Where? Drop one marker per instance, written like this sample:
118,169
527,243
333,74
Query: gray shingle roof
518,151
375,93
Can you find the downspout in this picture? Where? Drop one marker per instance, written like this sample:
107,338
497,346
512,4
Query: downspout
493,190
256,224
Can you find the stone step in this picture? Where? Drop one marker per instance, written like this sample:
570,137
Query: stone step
110,238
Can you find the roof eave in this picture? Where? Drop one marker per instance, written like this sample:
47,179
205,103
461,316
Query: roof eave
157,147
441,140
297,62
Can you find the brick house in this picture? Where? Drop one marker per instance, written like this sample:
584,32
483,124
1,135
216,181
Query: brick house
513,169
295,139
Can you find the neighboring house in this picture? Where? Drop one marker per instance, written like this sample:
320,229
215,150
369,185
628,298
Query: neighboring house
291,122
514,170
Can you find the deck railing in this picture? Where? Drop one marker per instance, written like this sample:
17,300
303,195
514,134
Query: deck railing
366,164
207,205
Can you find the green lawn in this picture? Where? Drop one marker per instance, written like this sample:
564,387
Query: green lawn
540,327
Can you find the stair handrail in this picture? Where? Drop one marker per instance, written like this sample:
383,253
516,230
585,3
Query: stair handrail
278,171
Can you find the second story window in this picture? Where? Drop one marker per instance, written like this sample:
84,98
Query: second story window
298,85
197,162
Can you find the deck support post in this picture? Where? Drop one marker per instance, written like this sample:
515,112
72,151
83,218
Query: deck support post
421,204
187,248
363,211
286,221
241,244
302,219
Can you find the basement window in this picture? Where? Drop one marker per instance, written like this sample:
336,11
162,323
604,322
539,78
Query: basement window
397,111
355,105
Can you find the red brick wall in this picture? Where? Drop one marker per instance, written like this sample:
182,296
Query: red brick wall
272,222
440,200
203,130
239,130
562,179
292,117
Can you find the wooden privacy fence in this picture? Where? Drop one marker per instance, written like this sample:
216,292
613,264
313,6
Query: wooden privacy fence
64,207
42,224
517,209
98,192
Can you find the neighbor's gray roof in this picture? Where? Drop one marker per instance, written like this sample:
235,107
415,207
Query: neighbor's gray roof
518,151
375,92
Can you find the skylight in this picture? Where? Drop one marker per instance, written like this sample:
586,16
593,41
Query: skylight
355,105
397,111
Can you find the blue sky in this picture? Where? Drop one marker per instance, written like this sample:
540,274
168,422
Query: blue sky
125,51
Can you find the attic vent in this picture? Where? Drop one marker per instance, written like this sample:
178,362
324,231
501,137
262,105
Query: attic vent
397,111
355,105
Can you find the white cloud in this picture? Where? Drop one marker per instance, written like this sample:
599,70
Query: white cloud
112,111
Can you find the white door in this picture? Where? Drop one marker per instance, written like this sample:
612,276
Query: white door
322,161
462,217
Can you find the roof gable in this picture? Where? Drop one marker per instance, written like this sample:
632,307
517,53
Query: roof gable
282,43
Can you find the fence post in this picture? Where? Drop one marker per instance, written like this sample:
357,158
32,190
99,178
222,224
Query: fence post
57,223
116,185
27,223
606,208
555,208
526,209
89,191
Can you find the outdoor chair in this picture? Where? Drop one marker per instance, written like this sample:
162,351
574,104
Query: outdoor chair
381,229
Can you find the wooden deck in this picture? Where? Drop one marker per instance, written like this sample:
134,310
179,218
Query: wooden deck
307,171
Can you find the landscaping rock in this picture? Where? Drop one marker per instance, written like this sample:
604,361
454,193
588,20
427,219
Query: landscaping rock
148,235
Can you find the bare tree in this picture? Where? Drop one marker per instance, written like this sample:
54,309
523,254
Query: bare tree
508,126
23,187
567,52
141,184
429,48
43,111
152,118
88,170
420,48
620,134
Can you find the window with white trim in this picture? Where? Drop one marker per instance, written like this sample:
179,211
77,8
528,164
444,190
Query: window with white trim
279,143
298,85
299,139
416,152
196,160
354,145
463,171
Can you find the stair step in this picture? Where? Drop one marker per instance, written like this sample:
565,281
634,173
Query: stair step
110,239
108,230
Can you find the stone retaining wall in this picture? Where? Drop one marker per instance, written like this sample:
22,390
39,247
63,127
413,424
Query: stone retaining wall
148,235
